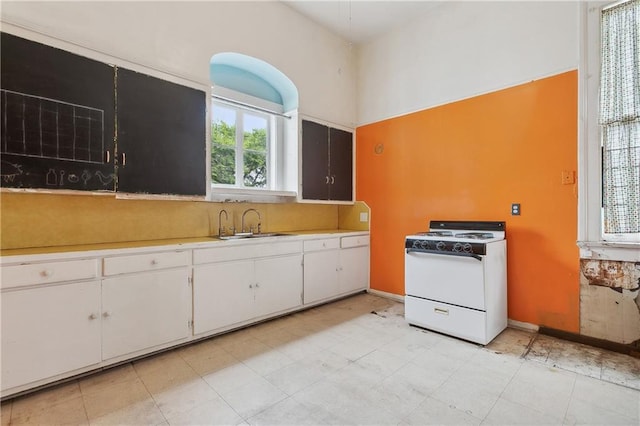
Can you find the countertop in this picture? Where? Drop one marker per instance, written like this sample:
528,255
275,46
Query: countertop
186,243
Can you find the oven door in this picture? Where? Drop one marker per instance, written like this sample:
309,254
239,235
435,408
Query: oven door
446,277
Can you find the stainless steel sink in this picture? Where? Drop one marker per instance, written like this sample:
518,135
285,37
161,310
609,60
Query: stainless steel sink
270,234
246,235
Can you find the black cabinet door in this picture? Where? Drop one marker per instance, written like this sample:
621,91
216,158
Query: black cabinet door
315,161
161,136
340,165
57,118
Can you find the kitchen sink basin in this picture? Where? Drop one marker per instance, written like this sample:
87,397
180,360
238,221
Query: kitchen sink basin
247,235
270,234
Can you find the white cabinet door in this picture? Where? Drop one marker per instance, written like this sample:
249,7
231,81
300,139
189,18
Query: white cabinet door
278,284
48,331
321,275
354,269
222,295
144,310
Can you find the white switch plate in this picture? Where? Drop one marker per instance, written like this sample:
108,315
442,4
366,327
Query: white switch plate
364,217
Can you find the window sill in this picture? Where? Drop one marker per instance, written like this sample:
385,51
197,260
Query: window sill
610,250
236,195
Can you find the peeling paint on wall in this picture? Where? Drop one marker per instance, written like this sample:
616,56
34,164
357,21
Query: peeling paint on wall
610,300
614,274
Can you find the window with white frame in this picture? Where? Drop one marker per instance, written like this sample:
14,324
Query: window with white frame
242,141
620,119
609,150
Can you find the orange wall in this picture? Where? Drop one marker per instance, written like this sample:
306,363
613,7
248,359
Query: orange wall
469,160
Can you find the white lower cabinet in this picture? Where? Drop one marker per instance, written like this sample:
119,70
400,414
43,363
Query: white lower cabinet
335,267
48,331
278,284
321,275
66,314
227,293
354,269
222,295
145,310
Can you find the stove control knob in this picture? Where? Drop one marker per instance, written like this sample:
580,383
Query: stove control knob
424,244
441,245
457,247
467,248
416,244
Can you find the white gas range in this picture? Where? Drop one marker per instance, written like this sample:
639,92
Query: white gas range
456,279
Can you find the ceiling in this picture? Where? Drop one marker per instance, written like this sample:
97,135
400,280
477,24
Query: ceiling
361,20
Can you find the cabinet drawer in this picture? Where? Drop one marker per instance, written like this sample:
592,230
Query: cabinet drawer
144,262
245,251
324,244
51,272
357,241
457,321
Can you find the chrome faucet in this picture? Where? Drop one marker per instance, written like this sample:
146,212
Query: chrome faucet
245,213
221,230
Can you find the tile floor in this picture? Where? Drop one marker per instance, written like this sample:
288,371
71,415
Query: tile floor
354,361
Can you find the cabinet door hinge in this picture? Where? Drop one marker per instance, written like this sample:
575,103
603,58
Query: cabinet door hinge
189,281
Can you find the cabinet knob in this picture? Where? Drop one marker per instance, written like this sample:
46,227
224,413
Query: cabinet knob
257,285
154,262
106,314
250,286
46,273
93,316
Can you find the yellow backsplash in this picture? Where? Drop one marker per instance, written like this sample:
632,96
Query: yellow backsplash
45,220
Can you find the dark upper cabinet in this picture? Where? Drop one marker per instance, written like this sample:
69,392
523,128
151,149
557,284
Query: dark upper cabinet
57,118
58,113
327,163
161,136
340,165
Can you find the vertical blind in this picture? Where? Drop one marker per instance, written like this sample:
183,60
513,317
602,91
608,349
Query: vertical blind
620,117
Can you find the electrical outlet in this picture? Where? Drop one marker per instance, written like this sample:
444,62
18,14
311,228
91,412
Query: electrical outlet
515,209
364,216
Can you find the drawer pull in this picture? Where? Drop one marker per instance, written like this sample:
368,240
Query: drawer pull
106,314
46,273
441,311
92,316
154,262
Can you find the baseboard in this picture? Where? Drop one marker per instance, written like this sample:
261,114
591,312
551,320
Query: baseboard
622,348
392,296
526,326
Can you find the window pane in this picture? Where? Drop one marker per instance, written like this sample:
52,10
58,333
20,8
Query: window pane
255,169
223,145
255,151
255,133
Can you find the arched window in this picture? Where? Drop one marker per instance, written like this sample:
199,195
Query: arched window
253,127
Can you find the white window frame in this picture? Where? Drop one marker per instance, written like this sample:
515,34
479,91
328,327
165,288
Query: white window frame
592,241
278,187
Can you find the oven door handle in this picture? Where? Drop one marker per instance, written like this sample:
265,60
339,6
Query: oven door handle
446,253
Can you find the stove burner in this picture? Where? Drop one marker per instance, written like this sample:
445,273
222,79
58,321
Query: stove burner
437,234
475,235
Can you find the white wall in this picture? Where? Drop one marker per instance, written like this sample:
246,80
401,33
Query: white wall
463,49
179,38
